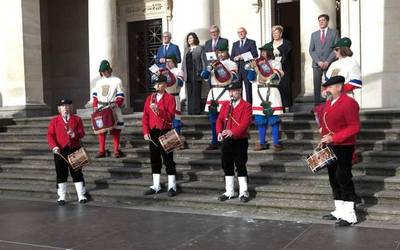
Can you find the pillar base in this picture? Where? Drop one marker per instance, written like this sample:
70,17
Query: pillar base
24,111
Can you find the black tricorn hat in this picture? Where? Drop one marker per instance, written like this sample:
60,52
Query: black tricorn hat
334,80
64,101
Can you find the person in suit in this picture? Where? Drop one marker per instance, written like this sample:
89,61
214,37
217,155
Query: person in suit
211,45
339,129
194,61
322,53
283,53
239,47
167,49
232,126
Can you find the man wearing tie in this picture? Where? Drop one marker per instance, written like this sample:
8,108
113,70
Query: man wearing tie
167,49
211,45
321,52
239,47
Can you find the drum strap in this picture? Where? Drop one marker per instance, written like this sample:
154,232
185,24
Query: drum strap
326,125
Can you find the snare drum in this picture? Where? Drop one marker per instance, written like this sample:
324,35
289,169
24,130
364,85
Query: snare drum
103,120
78,159
322,157
170,141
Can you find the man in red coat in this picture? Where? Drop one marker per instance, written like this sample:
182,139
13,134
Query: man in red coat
340,126
64,136
232,125
158,114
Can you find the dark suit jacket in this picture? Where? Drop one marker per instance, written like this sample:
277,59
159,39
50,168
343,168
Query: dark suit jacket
249,45
208,44
172,49
199,62
324,52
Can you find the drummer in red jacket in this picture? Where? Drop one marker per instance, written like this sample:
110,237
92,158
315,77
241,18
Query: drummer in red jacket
340,126
232,125
64,137
158,114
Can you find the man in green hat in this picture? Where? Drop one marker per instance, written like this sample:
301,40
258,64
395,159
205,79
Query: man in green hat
220,72
345,66
265,74
108,91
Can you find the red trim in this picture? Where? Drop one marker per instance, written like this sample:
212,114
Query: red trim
258,108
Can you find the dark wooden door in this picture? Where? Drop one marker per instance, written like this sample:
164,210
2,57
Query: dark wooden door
287,14
144,38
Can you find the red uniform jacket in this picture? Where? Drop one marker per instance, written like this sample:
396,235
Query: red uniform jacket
239,120
166,113
342,119
57,132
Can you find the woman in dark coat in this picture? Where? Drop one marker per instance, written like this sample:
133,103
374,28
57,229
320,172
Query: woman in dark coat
194,60
282,52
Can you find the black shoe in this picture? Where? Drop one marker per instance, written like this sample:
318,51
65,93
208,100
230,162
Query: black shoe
150,191
61,203
119,154
224,197
101,155
171,192
328,217
342,223
83,201
244,199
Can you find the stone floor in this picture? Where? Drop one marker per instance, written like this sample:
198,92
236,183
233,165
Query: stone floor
30,224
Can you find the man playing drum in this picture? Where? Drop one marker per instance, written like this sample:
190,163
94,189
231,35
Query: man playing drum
158,114
64,136
221,72
340,126
232,126
109,92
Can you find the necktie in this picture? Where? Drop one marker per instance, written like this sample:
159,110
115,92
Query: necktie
323,37
241,43
165,50
213,45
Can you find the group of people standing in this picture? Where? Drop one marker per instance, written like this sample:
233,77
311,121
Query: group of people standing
265,84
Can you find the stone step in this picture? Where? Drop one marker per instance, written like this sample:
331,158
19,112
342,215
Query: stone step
208,202
205,125
367,134
130,142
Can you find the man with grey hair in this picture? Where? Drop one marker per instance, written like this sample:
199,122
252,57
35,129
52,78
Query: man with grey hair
167,49
211,45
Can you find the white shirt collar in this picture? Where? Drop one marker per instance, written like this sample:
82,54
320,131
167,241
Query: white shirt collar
159,96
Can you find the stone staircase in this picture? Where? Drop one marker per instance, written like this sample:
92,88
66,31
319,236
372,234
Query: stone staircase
280,183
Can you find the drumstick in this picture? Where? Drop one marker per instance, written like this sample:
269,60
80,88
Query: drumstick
150,140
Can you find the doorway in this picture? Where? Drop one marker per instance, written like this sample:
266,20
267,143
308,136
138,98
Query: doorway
144,38
291,9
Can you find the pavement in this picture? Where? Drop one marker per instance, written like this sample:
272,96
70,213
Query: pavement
35,224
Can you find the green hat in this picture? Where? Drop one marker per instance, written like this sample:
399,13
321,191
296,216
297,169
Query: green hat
104,65
171,57
343,42
223,46
267,47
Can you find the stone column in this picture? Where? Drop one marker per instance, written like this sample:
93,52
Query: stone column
310,10
21,91
102,36
200,11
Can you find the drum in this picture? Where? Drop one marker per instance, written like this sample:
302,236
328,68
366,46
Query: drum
322,157
78,159
103,120
170,141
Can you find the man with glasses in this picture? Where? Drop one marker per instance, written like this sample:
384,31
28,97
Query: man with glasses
240,47
211,45
167,49
322,53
